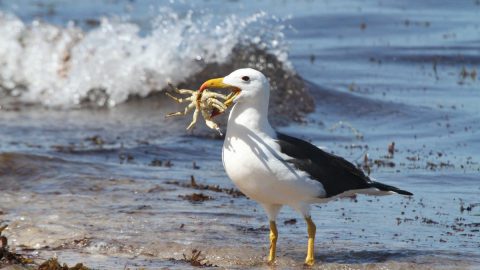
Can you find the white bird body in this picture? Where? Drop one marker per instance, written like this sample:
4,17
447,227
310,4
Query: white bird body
254,162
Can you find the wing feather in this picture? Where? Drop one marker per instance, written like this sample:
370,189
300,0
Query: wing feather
336,174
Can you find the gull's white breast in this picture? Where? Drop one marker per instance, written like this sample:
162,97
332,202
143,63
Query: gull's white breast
253,161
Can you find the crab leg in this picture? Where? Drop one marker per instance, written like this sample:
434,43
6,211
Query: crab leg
195,116
185,91
209,95
179,100
217,104
210,123
181,91
187,110
220,109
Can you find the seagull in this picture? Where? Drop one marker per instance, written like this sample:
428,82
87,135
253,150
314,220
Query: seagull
276,169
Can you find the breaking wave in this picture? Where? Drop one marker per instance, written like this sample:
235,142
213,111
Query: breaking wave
66,66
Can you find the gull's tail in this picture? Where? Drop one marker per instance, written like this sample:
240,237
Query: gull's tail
384,187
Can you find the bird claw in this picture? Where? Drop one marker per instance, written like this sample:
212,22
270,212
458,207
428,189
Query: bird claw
309,262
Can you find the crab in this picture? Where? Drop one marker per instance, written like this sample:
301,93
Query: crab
204,102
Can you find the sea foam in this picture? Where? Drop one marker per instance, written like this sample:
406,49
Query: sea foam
66,66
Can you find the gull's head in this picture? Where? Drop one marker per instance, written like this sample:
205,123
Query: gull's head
246,84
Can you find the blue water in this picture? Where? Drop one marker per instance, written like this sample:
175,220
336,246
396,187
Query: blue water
379,72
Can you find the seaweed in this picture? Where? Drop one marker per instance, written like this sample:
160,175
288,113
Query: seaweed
96,140
384,163
290,221
467,208
195,167
195,259
125,157
254,230
6,256
156,163
434,166
53,264
215,188
391,150
464,73
196,197
159,163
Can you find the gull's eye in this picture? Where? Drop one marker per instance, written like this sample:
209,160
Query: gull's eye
246,78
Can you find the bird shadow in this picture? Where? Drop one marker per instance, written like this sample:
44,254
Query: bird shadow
258,146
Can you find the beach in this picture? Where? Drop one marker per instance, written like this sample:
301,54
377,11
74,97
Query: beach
92,172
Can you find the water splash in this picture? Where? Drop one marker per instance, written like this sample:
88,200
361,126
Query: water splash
67,66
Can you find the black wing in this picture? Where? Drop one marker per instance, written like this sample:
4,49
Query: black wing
336,174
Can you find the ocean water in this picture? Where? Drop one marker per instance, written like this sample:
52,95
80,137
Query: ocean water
91,171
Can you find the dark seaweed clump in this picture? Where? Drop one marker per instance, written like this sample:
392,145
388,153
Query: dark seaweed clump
8,257
215,188
196,197
196,259
53,264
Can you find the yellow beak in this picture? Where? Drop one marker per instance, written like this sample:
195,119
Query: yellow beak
218,84
215,84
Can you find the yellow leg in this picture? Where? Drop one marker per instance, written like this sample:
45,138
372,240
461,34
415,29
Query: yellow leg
273,241
310,260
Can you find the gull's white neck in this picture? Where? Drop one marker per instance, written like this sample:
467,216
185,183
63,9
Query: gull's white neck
252,114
